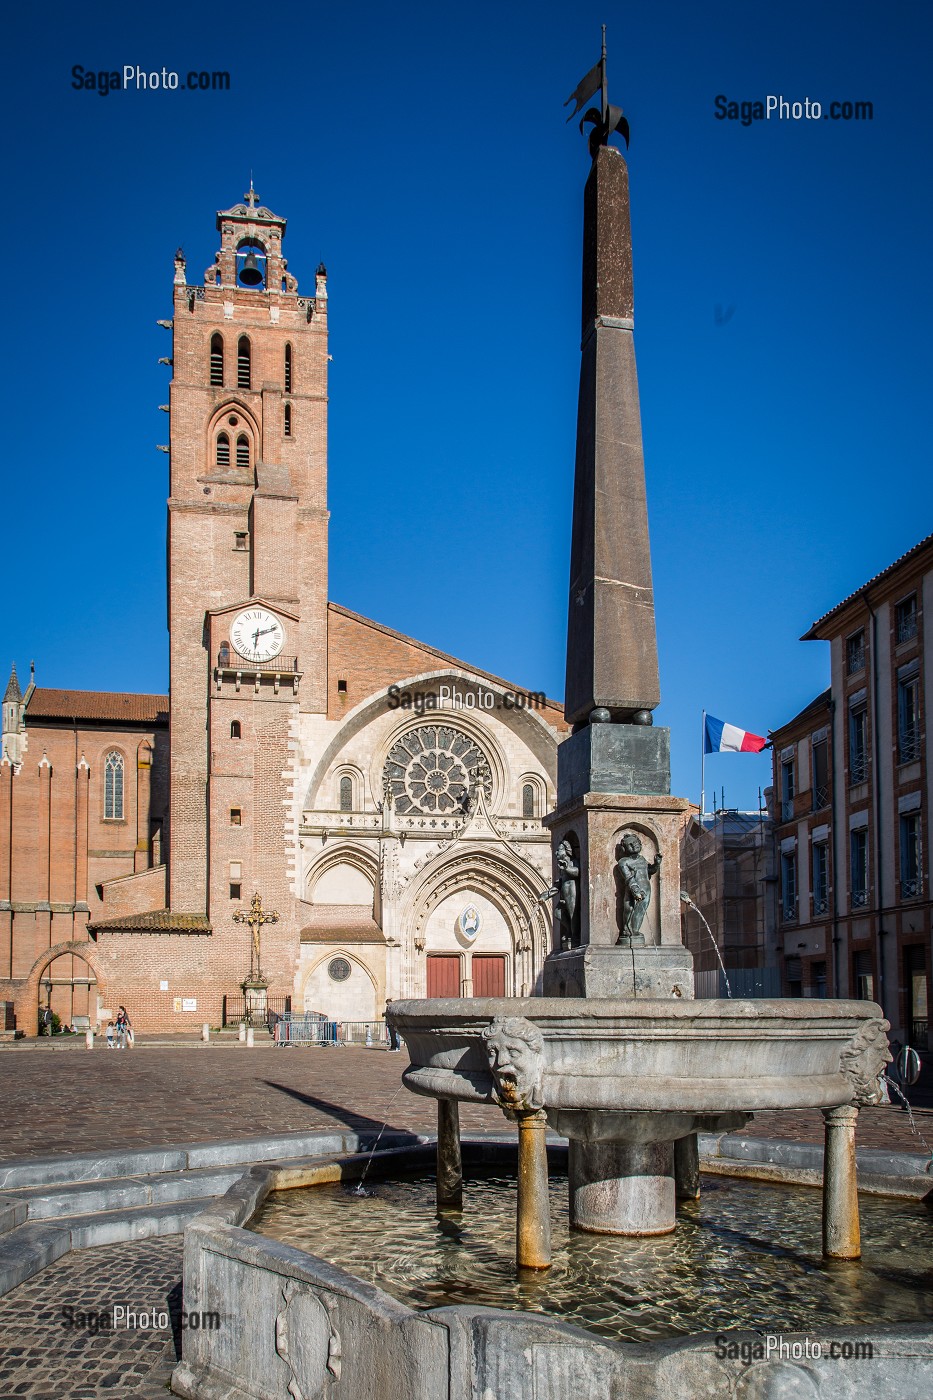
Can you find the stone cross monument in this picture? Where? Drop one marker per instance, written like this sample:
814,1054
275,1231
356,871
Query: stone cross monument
616,823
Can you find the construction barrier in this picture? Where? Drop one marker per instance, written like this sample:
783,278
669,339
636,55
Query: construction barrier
312,1028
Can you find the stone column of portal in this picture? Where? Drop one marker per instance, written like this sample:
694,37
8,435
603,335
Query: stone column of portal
533,1226
449,1165
622,1188
841,1237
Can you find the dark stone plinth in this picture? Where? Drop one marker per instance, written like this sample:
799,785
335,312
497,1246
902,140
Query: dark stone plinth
662,971
612,653
618,758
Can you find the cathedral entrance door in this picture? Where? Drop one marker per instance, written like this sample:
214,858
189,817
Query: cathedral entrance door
488,975
443,975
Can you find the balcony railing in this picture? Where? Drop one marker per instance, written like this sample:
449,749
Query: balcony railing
858,770
920,1035
908,744
858,899
906,628
820,797
855,659
787,809
912,887
789,913
282,665
820,904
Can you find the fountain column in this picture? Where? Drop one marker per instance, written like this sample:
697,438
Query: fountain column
533,1233
687,1168
841,1237
622,1188
449,1166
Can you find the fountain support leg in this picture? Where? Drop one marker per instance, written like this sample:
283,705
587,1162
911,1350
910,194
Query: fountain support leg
533,1232
687,1168
622,1188
841,1237
449,1166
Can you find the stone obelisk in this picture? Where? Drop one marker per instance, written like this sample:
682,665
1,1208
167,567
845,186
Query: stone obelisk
616,828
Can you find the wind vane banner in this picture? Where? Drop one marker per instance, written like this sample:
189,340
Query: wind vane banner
585,88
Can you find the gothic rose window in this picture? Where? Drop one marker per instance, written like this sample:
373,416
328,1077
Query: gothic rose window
432,769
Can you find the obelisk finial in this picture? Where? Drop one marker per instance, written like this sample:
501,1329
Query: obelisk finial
606,119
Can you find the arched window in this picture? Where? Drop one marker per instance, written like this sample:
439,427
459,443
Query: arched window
288,369
113,787
223,450
234,729
217,358
346,794
242,452
288,420
528,800
243,362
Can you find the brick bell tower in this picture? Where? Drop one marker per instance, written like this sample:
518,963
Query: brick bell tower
247,575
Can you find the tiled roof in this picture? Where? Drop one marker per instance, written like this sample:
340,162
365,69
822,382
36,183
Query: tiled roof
814,633
45,703
159,921
341,923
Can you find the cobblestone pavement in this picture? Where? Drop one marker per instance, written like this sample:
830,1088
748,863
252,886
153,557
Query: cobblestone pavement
41,1358
59,1099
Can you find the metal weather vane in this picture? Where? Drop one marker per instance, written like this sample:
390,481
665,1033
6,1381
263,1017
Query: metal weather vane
255,917
605,119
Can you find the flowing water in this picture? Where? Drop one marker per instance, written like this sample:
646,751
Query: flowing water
746,1255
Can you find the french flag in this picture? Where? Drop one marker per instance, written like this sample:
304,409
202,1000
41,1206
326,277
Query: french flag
719,737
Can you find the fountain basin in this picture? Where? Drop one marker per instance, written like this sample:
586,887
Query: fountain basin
633,1057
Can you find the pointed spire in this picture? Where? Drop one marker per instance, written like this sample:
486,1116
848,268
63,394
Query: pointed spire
13,694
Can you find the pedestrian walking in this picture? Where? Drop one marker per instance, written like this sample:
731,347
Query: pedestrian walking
111,1032
394,1041
124,1030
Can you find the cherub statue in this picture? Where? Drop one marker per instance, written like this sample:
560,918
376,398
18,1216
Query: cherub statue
635,879
566,888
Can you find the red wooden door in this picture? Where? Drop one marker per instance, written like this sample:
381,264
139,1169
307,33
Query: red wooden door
443,975
488,975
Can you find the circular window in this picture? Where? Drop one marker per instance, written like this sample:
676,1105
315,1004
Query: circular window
433,768
338,969
233,420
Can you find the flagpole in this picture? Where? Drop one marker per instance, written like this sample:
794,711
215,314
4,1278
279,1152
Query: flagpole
703,766
604,93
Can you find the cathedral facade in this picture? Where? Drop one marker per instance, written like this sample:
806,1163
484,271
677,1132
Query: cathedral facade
378,801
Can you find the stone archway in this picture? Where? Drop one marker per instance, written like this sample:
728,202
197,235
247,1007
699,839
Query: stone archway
64,980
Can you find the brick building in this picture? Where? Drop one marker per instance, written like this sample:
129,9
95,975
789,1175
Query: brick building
383,799
853,796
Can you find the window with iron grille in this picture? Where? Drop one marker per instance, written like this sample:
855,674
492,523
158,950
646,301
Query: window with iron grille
217,358
858,867
288,369
235,729
820,873
288,420
863,978
222,455
908,719
858,744
820,754
242,452
113,787
910,855
855,652
243,356
787,789
905,619
789,886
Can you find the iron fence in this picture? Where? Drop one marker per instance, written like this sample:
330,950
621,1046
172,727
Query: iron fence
314,1028
234,1011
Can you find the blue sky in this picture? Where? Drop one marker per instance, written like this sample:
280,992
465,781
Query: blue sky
782,305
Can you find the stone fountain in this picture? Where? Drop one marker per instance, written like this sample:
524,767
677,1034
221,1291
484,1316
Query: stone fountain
617,1055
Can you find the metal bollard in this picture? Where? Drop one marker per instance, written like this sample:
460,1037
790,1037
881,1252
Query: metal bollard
242,1035
89,1039
249,1036
205,1033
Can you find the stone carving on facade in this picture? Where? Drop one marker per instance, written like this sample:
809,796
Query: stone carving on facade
515,1051
566,889
308,1343
863,1060
212,274
634,875
430,769
291,282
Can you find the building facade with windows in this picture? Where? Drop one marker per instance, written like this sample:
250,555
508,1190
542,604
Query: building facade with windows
382,799
854,796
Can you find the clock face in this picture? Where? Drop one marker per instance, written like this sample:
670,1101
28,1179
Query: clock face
257,635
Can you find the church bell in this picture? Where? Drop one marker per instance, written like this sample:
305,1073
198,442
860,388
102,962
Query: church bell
250,272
